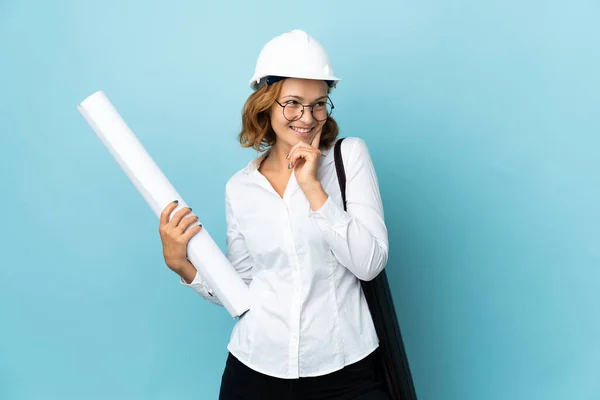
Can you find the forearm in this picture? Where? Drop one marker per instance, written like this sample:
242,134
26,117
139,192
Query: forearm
359,244
187,272
353,244
357,236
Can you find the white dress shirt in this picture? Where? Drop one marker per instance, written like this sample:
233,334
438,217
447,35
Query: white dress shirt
308,315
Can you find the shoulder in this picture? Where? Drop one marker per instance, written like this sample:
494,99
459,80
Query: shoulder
352,148
234,192
236,182
354,143
243,177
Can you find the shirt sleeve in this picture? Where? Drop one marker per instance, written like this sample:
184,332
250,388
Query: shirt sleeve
358,237
237,253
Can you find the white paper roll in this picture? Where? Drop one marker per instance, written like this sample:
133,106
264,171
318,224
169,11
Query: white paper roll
158,192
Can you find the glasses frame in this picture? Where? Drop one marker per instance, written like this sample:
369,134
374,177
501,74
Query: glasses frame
302,111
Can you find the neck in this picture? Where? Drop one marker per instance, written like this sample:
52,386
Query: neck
277,157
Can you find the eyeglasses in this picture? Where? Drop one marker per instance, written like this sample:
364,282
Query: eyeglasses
294,110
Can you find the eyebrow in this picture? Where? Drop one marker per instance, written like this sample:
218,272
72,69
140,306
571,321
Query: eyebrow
302,98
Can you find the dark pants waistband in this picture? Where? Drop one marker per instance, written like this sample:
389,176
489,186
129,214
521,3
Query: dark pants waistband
355,381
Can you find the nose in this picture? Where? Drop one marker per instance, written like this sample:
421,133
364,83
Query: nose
307,117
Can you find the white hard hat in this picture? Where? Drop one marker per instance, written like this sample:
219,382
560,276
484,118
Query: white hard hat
293,54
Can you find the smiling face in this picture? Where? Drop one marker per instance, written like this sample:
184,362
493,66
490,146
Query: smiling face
295,92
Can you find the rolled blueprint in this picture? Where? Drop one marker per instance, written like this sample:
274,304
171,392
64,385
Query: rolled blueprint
158,192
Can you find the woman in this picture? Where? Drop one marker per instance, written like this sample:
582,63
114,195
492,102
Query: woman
308,333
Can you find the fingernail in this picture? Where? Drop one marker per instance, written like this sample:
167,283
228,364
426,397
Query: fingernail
190,208
175,201
289,166
286,156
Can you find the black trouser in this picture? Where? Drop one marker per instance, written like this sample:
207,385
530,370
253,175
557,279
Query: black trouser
357,381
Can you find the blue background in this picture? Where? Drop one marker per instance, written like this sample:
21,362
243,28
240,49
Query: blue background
481,117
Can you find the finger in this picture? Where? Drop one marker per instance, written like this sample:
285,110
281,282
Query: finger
164,215
306,154
295,148
191,232
185,223
316,141
178,216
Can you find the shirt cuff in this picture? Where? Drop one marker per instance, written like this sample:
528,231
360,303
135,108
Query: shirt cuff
198,284
330,216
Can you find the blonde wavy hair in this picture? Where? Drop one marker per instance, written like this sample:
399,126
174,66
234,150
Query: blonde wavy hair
257,132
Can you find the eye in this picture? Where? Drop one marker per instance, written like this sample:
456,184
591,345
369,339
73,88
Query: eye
292,102
320,104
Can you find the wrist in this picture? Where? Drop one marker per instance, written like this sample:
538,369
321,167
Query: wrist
186,271
315,194
311,187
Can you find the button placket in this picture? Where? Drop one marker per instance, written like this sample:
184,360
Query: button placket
295,303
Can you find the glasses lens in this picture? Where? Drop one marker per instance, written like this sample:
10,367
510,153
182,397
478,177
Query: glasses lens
292,111
321,110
